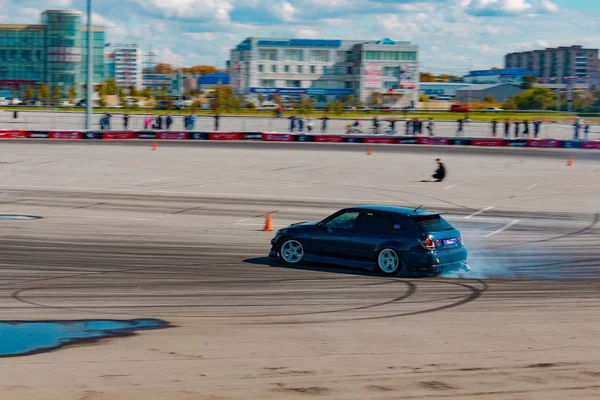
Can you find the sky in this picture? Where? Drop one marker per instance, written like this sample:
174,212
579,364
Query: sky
454,36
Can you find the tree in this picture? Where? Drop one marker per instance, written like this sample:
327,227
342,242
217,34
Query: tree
161,68
147,93
488,98
534,99
56,95
426,77
133,91
261,99
349,101
111,87
528,81
509,105
29,93
102,95
72,93
201,69
444,77
338,108
494,68
423,98
44,92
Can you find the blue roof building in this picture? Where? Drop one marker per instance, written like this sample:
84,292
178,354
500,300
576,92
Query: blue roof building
510,76
219,78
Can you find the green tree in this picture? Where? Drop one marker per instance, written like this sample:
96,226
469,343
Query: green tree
488,98
44,92
509,104
72,94
102,95
338,108
534,99
423,98
261,99
528,81
56,95
111,87
29,93
133,91
147,93
349,101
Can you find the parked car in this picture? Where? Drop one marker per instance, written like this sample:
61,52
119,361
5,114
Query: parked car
493,109
459,108
15,101
4,101
65,103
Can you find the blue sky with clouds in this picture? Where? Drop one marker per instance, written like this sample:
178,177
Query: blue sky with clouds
454,35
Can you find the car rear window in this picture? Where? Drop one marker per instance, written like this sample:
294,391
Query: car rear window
432,223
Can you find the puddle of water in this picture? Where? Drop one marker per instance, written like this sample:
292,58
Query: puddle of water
18,338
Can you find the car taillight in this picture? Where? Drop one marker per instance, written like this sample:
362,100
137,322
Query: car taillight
438,242
427,244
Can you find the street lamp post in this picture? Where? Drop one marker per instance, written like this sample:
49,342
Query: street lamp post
90,68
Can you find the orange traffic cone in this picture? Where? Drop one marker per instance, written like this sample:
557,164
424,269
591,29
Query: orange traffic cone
369,150
570,162
268,224
154,146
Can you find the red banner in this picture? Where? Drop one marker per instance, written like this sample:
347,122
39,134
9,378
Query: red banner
590,145
328,139
383,140
278,137
224,136
65,135
543,143
491,142
118,135
172,135
426,140
12,134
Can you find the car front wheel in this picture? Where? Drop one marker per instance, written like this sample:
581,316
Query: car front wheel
291,251
390,263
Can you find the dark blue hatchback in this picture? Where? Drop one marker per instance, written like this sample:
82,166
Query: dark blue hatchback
395,240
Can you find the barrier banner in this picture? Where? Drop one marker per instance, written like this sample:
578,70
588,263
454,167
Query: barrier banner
147,135
327,139
37,135
223,136
590,145
65,135
543,143
432,140
11,134
487,142
515,142
380,140
460,142
352,139
92,135
408,141
172,135
251,136
278,137
199,136
304,138
118,135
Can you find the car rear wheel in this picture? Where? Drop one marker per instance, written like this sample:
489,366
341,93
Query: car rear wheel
291,251
390,263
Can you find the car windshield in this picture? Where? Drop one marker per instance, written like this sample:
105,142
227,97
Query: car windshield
432,223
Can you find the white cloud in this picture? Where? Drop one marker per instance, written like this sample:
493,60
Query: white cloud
549,6
208,36
305,33
166,55
218,9
416,7
284,11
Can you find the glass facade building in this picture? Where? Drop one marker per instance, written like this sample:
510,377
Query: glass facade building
54,53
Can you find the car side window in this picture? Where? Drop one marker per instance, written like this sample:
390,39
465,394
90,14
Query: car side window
371,222
343,221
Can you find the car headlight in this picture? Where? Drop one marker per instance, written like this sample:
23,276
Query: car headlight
281,232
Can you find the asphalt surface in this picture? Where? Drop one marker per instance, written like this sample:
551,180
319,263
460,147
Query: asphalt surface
176,234
42,120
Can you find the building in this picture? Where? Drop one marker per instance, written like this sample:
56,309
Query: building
212,80
509,76
327,70
559,65
478,93
53,52
441,90
123,64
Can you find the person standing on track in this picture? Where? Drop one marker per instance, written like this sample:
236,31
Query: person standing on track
292,123
125,121
459,130
324,120
536,128
506,128
169,121
494,125
217,117
430,127
516,128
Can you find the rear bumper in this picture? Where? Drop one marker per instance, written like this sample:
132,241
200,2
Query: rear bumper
441,261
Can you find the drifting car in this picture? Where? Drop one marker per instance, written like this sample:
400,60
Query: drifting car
394,240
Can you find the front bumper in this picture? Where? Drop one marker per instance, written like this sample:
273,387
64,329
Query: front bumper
274,253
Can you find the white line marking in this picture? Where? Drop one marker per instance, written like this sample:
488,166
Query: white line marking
531,187
479,212
449,187
261,225
242,220
505,227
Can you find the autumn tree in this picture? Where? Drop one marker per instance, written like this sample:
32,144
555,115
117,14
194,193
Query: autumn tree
202,69
44,92
29,93
111,87
72,94
162,68
427,77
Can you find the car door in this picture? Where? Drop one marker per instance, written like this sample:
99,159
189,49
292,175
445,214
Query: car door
332,238
371,229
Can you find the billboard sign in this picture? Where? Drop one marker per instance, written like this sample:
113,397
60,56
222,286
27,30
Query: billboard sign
408,76
373,74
